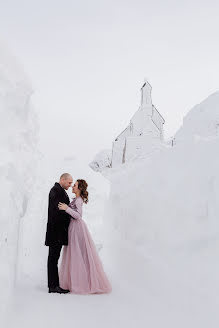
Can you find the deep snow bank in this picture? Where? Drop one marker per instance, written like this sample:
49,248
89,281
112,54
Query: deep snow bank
202,119
176,188
164,211
18,139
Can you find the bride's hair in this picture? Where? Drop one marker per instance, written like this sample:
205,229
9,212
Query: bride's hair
82,186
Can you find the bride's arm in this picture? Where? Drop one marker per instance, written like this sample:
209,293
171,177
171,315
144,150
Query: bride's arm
75,214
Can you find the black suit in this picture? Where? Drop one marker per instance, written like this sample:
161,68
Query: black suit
57,231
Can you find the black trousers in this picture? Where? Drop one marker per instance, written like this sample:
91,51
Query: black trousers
52,265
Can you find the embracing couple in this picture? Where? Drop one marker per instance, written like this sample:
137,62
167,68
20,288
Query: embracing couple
81,270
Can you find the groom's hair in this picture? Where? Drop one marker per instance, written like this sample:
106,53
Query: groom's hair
65,176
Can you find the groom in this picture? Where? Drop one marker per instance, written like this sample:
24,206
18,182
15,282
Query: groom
57,230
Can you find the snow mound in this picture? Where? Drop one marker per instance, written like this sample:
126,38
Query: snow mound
18,140
202,120
162,223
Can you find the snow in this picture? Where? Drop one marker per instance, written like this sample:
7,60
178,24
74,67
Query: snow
154,220
35,219
202,120
164,211
101,161
18,139
31,304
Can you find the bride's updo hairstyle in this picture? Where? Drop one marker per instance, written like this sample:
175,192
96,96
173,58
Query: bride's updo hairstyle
82,186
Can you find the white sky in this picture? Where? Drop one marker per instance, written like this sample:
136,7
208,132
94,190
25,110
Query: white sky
87,61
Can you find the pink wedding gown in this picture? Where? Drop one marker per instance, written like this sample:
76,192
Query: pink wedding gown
81,270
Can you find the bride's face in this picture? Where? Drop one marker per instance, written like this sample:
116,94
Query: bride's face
75,188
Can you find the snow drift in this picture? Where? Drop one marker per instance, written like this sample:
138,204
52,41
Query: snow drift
18,139
163,212
202,119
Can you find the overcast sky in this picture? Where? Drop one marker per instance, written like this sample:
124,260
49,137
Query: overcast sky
87,61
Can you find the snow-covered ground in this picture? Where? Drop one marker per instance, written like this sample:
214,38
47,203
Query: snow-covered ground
156,219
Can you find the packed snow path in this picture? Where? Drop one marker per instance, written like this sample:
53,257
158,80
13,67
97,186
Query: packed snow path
147,292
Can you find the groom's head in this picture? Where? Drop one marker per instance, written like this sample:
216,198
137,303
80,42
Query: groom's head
65,180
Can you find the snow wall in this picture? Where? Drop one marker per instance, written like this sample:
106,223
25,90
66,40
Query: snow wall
19,131
162,219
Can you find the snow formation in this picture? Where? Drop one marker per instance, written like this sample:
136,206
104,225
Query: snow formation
159,228
163,212
18,138
101,161
202,120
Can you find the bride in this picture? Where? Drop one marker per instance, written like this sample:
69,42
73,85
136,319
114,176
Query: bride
81,270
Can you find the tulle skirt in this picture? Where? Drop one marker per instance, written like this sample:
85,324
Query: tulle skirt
81,270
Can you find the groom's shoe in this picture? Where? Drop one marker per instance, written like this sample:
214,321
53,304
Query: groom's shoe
58,290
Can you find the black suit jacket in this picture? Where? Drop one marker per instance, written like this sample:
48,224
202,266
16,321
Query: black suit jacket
58,221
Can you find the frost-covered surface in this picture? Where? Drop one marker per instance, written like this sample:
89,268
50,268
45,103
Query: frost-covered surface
18,138
101,161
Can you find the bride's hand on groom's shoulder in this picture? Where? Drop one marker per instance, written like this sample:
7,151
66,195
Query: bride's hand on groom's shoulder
62,206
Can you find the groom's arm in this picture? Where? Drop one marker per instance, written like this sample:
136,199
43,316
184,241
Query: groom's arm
54,199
